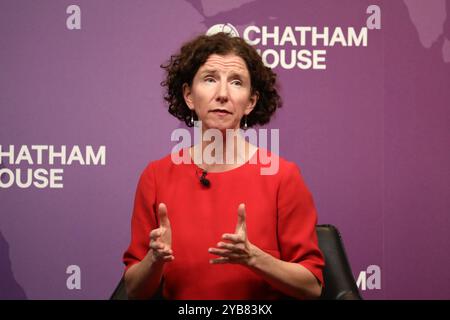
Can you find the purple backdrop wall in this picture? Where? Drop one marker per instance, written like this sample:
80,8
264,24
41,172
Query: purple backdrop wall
371,133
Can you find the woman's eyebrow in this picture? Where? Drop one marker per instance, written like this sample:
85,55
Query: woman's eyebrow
233,75
213,71
237,75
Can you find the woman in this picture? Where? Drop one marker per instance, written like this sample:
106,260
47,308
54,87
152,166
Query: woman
222,230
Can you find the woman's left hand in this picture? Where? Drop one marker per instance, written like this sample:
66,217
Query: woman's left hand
289,277
238,249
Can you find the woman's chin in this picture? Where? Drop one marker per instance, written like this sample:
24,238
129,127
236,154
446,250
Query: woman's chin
222,126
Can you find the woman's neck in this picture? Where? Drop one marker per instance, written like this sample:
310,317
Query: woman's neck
228,153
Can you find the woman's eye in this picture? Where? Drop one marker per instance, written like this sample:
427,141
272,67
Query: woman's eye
209,80
237,83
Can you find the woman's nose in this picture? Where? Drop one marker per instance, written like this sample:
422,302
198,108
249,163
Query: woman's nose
222,94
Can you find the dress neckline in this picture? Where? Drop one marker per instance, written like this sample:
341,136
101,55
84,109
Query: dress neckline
251,160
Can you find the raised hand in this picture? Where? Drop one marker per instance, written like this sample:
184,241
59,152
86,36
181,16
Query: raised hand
238,249
161,238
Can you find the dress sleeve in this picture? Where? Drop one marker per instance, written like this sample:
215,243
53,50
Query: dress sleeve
297,219
143,218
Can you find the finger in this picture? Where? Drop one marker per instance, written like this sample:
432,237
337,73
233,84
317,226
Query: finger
221,260
163,217
163,256
166,251
225,253
219,252
161,246
236,238
241,219
163,252
155,233
168,258
155,245
238,248
224,260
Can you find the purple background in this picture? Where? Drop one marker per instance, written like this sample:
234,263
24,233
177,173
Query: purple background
371,133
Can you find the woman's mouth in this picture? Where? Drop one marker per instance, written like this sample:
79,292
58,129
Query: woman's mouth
221,112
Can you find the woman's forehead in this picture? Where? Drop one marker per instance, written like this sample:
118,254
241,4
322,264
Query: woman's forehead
225,62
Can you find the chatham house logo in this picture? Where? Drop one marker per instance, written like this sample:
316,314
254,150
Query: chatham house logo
226,28
301,46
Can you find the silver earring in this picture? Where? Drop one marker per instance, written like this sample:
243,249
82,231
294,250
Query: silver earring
192,117
245,123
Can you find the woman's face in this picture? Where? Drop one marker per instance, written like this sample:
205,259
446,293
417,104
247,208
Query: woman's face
220,93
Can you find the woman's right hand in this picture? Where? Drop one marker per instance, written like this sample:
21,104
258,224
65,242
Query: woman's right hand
161,238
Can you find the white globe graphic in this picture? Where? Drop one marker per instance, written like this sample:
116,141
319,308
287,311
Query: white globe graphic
226,28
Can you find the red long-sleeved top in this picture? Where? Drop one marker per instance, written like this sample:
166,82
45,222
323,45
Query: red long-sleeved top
280,219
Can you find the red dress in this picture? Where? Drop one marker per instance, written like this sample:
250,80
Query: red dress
280,218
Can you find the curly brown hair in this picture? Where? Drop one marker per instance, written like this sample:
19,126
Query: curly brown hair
182,67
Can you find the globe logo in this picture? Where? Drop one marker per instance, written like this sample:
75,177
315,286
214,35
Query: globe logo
226,28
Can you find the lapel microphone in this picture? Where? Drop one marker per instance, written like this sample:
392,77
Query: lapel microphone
205,182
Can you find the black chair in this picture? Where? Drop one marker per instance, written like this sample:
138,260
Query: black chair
120,293
337,274
338,278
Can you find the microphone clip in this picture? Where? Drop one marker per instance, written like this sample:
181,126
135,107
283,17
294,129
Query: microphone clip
205,182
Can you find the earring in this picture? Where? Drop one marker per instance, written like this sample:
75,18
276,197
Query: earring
245,123
192,118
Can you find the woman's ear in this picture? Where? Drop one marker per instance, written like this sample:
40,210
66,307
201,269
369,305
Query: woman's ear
187,96
253,100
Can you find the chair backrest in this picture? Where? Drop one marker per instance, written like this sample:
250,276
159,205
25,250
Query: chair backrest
338,277
120,293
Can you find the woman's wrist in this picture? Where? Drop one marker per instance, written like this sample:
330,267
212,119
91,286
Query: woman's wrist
151,260
257,258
